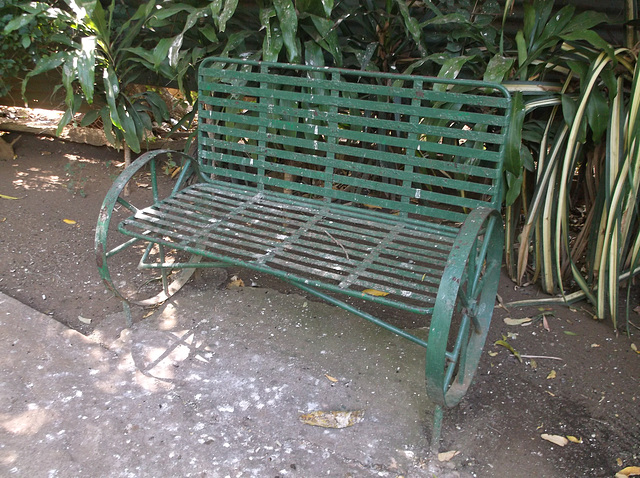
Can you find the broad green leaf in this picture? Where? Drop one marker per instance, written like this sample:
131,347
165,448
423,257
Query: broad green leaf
87,67
591,37
497,68
209,33
234,40
226,14
514,187
451,67
215,7
97,21
555,25
129,128
513,162
313,55
527,158
286,13
169,11
64,121
112,90
448,19
410,23
579,68
314,7
569,109
329,37
90,117
43,65
587,20
160,52
271,44
522,53
68,76
597,114
17,23
107,126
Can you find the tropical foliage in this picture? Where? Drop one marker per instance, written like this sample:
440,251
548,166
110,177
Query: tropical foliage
28,30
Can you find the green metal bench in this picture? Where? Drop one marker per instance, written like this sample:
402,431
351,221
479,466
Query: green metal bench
381,187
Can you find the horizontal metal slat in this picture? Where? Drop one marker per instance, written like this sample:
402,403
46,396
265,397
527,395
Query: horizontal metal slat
318,83
317,116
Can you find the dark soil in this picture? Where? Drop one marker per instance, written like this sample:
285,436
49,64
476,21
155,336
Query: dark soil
592,393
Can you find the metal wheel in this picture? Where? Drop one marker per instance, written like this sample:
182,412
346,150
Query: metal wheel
464,307
137,271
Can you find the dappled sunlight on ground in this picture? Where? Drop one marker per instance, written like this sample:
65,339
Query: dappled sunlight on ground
34,179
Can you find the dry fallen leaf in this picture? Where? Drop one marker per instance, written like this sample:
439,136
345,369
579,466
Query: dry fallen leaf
635,348
330,378
332,419
375,292
557,439
447,455
510,321
508,346
594,346
628,471
545,323
235,282
573,439
551,375
619,461
148,314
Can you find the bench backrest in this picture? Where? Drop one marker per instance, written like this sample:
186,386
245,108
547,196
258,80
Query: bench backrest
412,144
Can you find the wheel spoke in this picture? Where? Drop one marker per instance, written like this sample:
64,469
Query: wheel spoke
463,353
127,204
459,347
122,247
154,181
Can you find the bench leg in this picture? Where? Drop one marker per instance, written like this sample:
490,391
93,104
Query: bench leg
437,429
127,313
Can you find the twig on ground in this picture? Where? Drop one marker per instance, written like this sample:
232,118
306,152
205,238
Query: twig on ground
540,357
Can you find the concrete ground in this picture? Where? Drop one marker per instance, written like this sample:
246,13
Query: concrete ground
211,386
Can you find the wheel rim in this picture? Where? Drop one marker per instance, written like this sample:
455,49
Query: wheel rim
138,271
462,316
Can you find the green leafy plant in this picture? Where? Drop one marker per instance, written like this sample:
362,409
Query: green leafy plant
28,31
573,173
98,67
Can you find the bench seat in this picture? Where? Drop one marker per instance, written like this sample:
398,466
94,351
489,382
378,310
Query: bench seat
335,247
